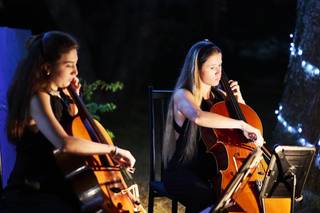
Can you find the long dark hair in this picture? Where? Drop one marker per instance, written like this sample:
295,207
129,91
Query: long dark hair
31,77
188,79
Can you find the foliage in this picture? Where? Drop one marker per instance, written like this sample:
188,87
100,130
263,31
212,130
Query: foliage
89,92
89,89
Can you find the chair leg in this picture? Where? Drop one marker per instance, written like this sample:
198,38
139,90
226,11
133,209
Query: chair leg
174,204
150,201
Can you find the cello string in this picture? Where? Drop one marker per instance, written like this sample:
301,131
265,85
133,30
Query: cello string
233,101
98,137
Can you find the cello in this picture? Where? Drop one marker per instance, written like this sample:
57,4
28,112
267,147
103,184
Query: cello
96,180
231,150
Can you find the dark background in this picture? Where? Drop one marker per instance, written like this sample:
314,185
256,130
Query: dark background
144,42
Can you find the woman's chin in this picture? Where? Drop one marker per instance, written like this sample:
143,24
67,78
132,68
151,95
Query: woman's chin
68,84
215,84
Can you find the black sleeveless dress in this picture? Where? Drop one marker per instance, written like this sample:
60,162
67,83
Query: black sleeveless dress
36,184
191,182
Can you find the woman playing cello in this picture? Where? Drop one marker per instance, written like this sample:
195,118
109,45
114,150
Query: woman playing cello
189,170
39,107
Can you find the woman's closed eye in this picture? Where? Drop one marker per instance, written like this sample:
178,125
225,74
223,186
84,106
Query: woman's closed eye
213,67
70,65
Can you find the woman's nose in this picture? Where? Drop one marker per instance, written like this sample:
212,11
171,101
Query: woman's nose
75,72
218,71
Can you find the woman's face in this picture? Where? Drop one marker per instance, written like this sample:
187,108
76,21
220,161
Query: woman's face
64,70
210,72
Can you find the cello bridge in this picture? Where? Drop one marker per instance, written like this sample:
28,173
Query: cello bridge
133,192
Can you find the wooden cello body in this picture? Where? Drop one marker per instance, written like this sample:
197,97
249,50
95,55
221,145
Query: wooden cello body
231,149
96,180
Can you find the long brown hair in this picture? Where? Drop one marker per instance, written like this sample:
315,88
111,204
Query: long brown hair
188,79
30,77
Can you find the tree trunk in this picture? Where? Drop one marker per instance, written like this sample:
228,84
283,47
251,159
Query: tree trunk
299,114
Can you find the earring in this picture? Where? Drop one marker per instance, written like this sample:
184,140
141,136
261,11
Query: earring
48,73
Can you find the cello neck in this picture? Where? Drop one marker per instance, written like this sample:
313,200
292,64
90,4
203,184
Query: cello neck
233,104
235,110
85,114
83,111
87,118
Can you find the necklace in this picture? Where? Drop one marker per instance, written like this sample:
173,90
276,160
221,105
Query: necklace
53,92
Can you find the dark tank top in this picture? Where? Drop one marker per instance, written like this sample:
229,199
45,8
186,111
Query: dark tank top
202,163
35,167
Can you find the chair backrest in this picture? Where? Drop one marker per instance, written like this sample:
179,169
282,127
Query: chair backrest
158,105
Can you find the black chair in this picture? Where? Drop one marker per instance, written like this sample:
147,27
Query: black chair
158,104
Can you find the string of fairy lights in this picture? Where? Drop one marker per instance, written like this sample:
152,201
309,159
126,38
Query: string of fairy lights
311,71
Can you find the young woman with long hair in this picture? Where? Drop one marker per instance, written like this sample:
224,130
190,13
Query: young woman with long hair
39,108
189,170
